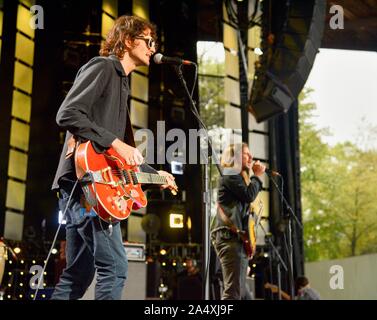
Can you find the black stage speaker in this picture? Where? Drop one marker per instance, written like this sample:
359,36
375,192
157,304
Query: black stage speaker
292,60
276,99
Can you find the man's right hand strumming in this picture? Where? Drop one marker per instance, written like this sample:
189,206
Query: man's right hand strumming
131,155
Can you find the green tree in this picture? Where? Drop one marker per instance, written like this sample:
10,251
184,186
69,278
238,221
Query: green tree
355,207
338,194
317,189
211,92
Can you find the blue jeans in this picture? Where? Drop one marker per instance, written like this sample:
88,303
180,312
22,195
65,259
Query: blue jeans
90,247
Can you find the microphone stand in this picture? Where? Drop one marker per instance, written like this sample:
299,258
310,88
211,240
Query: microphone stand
290,244
280,259
206,198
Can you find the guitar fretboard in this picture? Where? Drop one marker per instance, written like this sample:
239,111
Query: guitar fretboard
149,178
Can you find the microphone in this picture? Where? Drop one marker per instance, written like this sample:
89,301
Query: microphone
158,58
272,172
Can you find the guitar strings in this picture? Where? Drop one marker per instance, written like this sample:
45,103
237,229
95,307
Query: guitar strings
119,173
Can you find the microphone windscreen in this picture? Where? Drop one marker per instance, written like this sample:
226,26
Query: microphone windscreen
157,58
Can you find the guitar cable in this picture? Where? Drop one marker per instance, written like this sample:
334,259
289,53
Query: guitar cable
99,219
57,232
55,238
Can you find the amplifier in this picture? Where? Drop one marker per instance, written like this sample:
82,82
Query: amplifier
135,251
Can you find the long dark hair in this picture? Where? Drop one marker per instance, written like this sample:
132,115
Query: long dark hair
125,27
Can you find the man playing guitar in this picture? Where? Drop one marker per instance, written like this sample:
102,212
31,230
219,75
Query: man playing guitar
95,110
230,230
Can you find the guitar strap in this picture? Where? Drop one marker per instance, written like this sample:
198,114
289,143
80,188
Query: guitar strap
71,147
87,179
244,236
229,223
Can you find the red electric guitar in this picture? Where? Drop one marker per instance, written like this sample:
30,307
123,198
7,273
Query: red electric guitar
112,187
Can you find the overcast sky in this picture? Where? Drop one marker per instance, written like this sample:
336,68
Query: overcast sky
345,92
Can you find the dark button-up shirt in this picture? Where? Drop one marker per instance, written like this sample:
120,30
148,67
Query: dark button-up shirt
235,196
95,109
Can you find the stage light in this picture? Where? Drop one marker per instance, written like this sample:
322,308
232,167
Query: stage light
54,251
176,167
184,264
258,51
10,262
60,218
9,273
45,273
265,255
253,275
162,288
8,296
174,264
17,250
164,264
43,296
189,223
176,220
161,285
31,296
33,262
162,252
254,265
22,261
20,295
21,273
21,284
9,285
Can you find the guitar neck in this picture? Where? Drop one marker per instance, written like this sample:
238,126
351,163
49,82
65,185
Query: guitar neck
149,178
